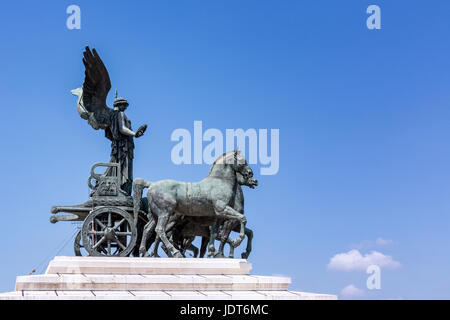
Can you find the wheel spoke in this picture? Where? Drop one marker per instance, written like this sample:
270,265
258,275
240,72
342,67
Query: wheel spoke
100,223
119,233
119,224
109,247
99,233
99,243
120,244
109,220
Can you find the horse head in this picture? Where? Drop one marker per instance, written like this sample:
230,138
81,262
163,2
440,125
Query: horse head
248,181
235,160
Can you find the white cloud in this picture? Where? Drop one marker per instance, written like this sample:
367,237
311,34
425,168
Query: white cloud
352,291
383,242
355,261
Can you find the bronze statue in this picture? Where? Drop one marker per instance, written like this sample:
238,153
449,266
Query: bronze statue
214,197
173,213
91,106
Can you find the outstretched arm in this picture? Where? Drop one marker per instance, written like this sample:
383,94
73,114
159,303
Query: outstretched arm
127,132
123,129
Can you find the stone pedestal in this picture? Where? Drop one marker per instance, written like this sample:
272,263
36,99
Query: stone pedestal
99,278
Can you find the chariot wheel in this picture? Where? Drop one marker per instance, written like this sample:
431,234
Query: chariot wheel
109,231
77,245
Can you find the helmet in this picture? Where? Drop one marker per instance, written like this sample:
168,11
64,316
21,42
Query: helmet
119,101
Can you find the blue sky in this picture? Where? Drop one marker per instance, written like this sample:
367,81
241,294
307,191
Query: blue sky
363,118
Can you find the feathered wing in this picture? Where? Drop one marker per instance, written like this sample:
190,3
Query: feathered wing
95,89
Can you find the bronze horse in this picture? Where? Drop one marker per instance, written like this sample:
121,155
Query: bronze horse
213,197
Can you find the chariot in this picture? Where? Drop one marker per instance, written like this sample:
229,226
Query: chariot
173,213
109,224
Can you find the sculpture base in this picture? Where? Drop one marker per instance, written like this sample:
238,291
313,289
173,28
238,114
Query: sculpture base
100,278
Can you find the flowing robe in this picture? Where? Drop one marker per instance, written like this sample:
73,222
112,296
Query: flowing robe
122,149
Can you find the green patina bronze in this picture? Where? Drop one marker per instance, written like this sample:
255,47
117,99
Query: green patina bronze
174,213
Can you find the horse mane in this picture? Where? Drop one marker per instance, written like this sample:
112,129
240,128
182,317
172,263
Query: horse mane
222,157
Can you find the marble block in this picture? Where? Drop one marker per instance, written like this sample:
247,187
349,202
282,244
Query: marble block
117,278
129,266
109,282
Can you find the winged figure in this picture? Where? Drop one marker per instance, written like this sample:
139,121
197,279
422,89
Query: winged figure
91,106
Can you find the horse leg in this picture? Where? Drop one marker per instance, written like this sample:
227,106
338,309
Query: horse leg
150,241
194,250
231,255
154,252
168,253
222,210
248,249
163,217
187,245
224,237
149,227
203,247
140,231
212,238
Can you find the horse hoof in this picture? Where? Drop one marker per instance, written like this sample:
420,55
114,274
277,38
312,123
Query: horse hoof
178,255
219,255
244,255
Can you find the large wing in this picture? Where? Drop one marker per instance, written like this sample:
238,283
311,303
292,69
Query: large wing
96,87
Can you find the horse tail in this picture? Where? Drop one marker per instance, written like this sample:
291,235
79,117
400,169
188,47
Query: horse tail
139,185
